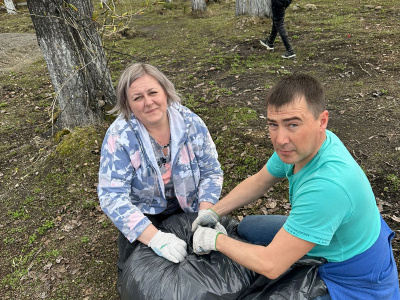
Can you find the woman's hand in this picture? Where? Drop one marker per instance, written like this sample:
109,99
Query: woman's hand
206,218
169,246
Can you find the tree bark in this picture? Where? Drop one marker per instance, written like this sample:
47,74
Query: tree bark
259,8
75,59
199,5
241,7
9,4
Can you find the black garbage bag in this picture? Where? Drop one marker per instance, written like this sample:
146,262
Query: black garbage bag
147,276
299,282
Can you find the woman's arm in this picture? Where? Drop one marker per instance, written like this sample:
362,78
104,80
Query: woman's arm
205,205
114,188
147,234
211,175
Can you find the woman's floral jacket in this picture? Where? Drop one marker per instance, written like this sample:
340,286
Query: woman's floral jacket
130,182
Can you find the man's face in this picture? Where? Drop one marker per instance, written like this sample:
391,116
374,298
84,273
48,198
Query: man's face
295,133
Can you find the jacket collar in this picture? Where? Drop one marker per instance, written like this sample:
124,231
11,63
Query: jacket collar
180,120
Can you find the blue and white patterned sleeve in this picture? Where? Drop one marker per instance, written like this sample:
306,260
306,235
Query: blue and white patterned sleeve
211,175
118,162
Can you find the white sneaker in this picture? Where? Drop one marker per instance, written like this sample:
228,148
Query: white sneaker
267,45
289,54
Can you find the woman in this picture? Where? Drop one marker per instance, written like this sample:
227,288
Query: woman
157,159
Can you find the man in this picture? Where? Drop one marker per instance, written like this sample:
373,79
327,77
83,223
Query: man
333,215
278,8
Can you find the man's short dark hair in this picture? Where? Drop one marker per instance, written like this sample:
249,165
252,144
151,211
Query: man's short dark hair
294,87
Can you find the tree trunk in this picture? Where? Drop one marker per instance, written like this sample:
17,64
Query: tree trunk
75,58
199,5
10,6
259,8
241,7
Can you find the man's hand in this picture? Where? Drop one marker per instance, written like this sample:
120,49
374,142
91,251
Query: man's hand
204,240
205,218
169,246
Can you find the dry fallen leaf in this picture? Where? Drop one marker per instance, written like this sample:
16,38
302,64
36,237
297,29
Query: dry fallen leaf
395,218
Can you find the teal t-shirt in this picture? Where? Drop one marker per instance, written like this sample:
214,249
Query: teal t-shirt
332,201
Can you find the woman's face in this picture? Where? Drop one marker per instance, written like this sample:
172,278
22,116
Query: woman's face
148,101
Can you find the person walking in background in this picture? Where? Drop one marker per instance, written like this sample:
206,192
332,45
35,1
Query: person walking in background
278,26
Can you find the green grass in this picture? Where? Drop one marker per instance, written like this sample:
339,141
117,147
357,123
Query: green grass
393,182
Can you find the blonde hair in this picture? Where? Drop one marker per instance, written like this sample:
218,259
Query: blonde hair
129,75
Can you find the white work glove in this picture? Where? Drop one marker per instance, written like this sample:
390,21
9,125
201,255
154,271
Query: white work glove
169,246
205,218
220,228
204,240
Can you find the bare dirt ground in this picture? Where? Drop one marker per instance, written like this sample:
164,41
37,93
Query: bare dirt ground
18,50
55,241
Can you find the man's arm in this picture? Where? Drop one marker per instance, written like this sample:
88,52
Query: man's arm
272,260
246,192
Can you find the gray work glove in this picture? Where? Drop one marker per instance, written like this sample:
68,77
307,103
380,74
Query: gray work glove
169,246
204,240
208,218
205,218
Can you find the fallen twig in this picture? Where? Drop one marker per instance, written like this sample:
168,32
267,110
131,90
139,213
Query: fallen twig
364,70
